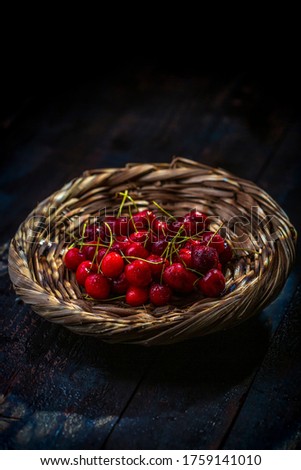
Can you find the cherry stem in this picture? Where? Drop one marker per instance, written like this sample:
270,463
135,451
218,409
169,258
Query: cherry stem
217,230
125,196
164,211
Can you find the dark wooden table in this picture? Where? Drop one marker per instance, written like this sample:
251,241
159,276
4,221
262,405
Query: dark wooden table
239,389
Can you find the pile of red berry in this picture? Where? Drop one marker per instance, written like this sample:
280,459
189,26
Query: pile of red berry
147,258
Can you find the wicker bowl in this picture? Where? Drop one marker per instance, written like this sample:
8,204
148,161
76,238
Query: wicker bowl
263,239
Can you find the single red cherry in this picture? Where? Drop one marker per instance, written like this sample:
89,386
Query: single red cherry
136,296
178,278
175,226
194,222
204,258
159,227
101,252
160,294
213,283
73,258
97,286
94,232
214,241
226,255
138,273
193,242
120,285
143,237
112,264
159,246
116,226
136,250
183,256
84,269
157,264
141,220
120,244
89,249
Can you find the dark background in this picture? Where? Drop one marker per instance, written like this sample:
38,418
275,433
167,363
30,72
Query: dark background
235,390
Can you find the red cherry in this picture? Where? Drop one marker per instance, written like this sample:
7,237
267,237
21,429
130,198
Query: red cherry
120,285
190,283
204,258
141,220
138,273
136,250
89,249
213,283
94,231
178,278
84,269
101,252
174,226
214,241
159,227
73,258
159,246
112,264
136,296
226,255
118,225
143,237
192,242
160,294
97,286
184,256
194,222
157,264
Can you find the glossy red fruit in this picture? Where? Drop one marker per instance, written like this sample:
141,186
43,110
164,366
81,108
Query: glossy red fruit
136,296
192,242
159,227
159,246
89,249
94,232
194,222
101,252
175,226
141,220
112,264
184,256
136,250
226,255
178,278
83,270
157,264
120,244
213,283
160,294
204,258
143,237
73,258
97,286
138,273
120,285
214,241
116,225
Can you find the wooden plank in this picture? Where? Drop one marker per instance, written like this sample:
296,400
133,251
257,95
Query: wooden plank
271,416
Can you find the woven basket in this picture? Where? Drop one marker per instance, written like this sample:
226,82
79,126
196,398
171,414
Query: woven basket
263,239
